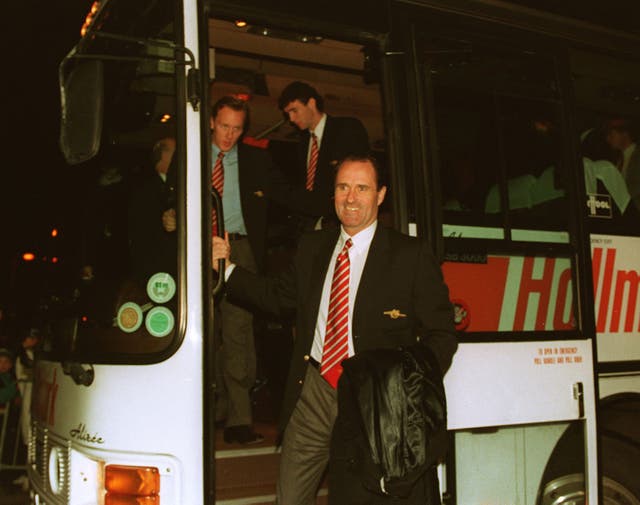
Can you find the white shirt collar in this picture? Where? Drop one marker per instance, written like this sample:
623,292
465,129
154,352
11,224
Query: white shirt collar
319,129
361,240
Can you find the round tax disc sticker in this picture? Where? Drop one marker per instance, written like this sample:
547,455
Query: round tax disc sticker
129,317
161,287
159,321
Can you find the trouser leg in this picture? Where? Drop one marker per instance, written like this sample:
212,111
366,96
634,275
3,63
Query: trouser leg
305,445
238,347
238,362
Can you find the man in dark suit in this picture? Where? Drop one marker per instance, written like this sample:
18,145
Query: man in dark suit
332,138
395,296
245,172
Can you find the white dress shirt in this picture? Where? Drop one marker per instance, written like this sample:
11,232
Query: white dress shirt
357,258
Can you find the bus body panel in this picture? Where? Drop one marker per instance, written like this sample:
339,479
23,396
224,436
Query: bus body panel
616,278
609,385
499,384
503,465
140,416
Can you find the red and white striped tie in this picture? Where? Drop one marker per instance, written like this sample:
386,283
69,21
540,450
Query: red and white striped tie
313,162
336,339
217,181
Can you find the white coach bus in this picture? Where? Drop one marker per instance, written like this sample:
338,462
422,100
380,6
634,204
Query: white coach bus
495,122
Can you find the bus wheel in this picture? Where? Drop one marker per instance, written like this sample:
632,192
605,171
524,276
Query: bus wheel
620,485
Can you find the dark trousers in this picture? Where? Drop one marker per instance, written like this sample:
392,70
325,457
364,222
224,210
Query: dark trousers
236,363
305,445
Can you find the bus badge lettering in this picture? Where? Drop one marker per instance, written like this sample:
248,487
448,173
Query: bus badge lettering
81,433
161,287
599,206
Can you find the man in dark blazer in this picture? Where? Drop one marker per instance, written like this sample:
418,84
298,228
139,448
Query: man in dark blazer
336,137
246,171
396,296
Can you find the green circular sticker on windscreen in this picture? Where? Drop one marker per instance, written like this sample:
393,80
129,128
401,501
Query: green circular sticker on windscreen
159,321
129,317
161,287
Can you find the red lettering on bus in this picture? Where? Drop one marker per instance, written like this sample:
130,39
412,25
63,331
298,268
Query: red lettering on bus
530,285
625,293
623,279
601,320
562,297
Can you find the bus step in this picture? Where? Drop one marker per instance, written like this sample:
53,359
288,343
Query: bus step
246,474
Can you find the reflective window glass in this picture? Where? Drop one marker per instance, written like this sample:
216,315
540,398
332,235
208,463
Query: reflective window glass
497,120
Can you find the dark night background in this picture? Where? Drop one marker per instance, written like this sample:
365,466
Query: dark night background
35,182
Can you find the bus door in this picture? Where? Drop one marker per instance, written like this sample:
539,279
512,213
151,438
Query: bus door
493,139
253,53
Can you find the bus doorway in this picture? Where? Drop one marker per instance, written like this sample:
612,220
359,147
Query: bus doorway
256,61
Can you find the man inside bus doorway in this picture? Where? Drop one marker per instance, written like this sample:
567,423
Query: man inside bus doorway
401,299
324,141
240,174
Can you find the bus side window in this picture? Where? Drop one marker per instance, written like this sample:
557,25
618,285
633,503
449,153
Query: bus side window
497,121
608,120
536,181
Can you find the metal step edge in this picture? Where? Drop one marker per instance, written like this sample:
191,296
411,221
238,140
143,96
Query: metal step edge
243,453
253,500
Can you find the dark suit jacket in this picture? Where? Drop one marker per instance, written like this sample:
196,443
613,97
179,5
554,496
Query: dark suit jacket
400,273
255,168
342,136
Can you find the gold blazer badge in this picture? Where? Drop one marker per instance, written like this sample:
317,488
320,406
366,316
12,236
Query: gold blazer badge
394,314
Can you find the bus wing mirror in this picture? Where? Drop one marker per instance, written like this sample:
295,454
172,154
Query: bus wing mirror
81,96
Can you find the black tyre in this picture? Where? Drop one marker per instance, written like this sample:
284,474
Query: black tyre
563,481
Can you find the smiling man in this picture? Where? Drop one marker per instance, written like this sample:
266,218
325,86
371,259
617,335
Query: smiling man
344,285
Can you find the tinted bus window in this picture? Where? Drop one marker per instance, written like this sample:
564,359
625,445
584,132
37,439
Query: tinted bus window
497,119
607,92
120,294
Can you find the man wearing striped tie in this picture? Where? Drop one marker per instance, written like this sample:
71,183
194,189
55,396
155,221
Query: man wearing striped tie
324,141
241,174
356,288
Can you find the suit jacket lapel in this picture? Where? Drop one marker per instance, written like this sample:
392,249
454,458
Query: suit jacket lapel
242,174
327,141
303,149
377,262
320,264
